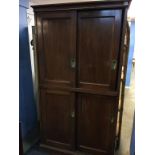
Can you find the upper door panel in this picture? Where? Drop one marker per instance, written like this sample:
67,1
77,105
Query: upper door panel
98,48
56,47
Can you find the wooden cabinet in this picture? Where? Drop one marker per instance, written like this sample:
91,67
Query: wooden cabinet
79,47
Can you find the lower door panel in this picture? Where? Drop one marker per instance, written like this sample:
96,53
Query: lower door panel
95,122
57,125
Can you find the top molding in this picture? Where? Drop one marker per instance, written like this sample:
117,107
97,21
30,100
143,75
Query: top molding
82,5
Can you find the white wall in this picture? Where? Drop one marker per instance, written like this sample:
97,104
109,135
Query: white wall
132,10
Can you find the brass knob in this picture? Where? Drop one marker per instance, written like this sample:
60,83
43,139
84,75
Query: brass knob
73,63
73,114
112,120
114,64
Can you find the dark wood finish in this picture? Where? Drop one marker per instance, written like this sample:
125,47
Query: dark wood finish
76,45
82,90
95,123
56,46
98,46
104,4
56,34
57,124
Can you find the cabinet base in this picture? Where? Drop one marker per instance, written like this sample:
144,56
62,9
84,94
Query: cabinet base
58,151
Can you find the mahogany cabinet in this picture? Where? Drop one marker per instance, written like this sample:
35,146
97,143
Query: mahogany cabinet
80,54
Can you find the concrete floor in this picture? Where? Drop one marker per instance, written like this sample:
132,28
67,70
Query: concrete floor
128,114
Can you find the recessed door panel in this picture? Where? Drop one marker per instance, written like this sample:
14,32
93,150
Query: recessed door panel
95,123
98,48
56,114
56,42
